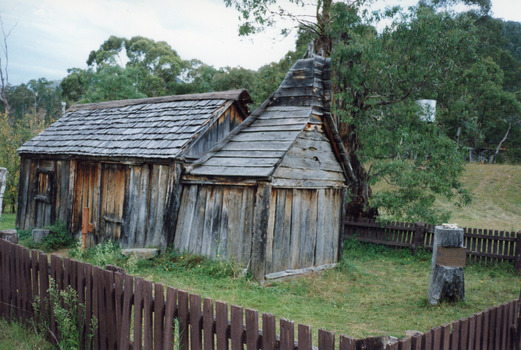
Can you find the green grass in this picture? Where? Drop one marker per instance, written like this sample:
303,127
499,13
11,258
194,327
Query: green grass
375,291
496,197
496,204
8,221
17,336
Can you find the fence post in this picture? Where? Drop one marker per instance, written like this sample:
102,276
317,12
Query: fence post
419,236
517,257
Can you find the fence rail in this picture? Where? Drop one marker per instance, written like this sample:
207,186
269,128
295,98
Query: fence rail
138,314
482,245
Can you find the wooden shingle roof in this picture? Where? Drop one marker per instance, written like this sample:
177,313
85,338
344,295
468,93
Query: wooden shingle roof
257,146
160,127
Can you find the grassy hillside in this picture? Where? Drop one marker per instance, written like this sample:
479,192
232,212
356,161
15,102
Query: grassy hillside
496,192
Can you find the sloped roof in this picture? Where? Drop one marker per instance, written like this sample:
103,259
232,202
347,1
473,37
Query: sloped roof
159,127
257,146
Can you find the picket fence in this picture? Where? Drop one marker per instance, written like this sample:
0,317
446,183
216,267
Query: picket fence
482,245
134,313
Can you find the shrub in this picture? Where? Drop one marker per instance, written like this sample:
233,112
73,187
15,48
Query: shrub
57,238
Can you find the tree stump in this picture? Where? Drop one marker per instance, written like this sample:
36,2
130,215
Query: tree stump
448,259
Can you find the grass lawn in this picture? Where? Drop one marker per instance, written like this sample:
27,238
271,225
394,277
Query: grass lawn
496,204
17,336
8,221
375,291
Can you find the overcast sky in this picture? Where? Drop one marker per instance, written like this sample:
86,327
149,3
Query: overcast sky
49,36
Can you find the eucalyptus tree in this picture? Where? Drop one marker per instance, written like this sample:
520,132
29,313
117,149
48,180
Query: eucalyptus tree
378,73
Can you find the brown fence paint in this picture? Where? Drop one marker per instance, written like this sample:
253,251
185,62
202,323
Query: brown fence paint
124,304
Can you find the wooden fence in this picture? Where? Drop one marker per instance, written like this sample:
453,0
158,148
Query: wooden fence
138,314
482,245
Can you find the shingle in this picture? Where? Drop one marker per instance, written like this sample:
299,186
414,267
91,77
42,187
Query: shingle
137,129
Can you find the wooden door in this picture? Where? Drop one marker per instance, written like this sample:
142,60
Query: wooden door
113,186
86,195
44,198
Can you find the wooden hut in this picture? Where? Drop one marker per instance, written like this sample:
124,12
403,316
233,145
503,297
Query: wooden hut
123,160
271,194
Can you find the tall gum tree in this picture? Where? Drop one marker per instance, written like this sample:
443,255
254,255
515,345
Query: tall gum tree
378,74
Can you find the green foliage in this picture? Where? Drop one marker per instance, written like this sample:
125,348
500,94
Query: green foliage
13,133
70,316
16,335
57,238
173,261
106,253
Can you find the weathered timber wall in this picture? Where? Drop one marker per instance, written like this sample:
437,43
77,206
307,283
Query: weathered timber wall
218,130
216,220
304,228
301,227
310,162
43,192
135,204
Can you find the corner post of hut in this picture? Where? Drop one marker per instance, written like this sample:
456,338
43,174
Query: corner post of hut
448,259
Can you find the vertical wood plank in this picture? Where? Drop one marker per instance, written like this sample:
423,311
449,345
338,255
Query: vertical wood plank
138,312
326,340
126,312
159,313
170,313
287,334
416,342
347,343
464,333
221,314
436,338
195,322
183,319
268,332
478,331
454,341
252,329
208,324
148,315
237,327
405,344
472,332
304,337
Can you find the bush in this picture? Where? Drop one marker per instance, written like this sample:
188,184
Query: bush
172,260
58,238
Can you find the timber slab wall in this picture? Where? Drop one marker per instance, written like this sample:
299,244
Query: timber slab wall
134,308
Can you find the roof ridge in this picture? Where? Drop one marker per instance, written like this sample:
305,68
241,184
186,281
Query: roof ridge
240,95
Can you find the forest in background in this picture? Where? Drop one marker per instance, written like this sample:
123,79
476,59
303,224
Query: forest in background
476,83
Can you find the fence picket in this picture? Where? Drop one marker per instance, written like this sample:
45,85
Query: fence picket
159,314
445,337
252,329
195,322
221,313
326,340
237,327
139,292
454,339
287,335
472,332
348,343
268,332
304,337
170,313
208,324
